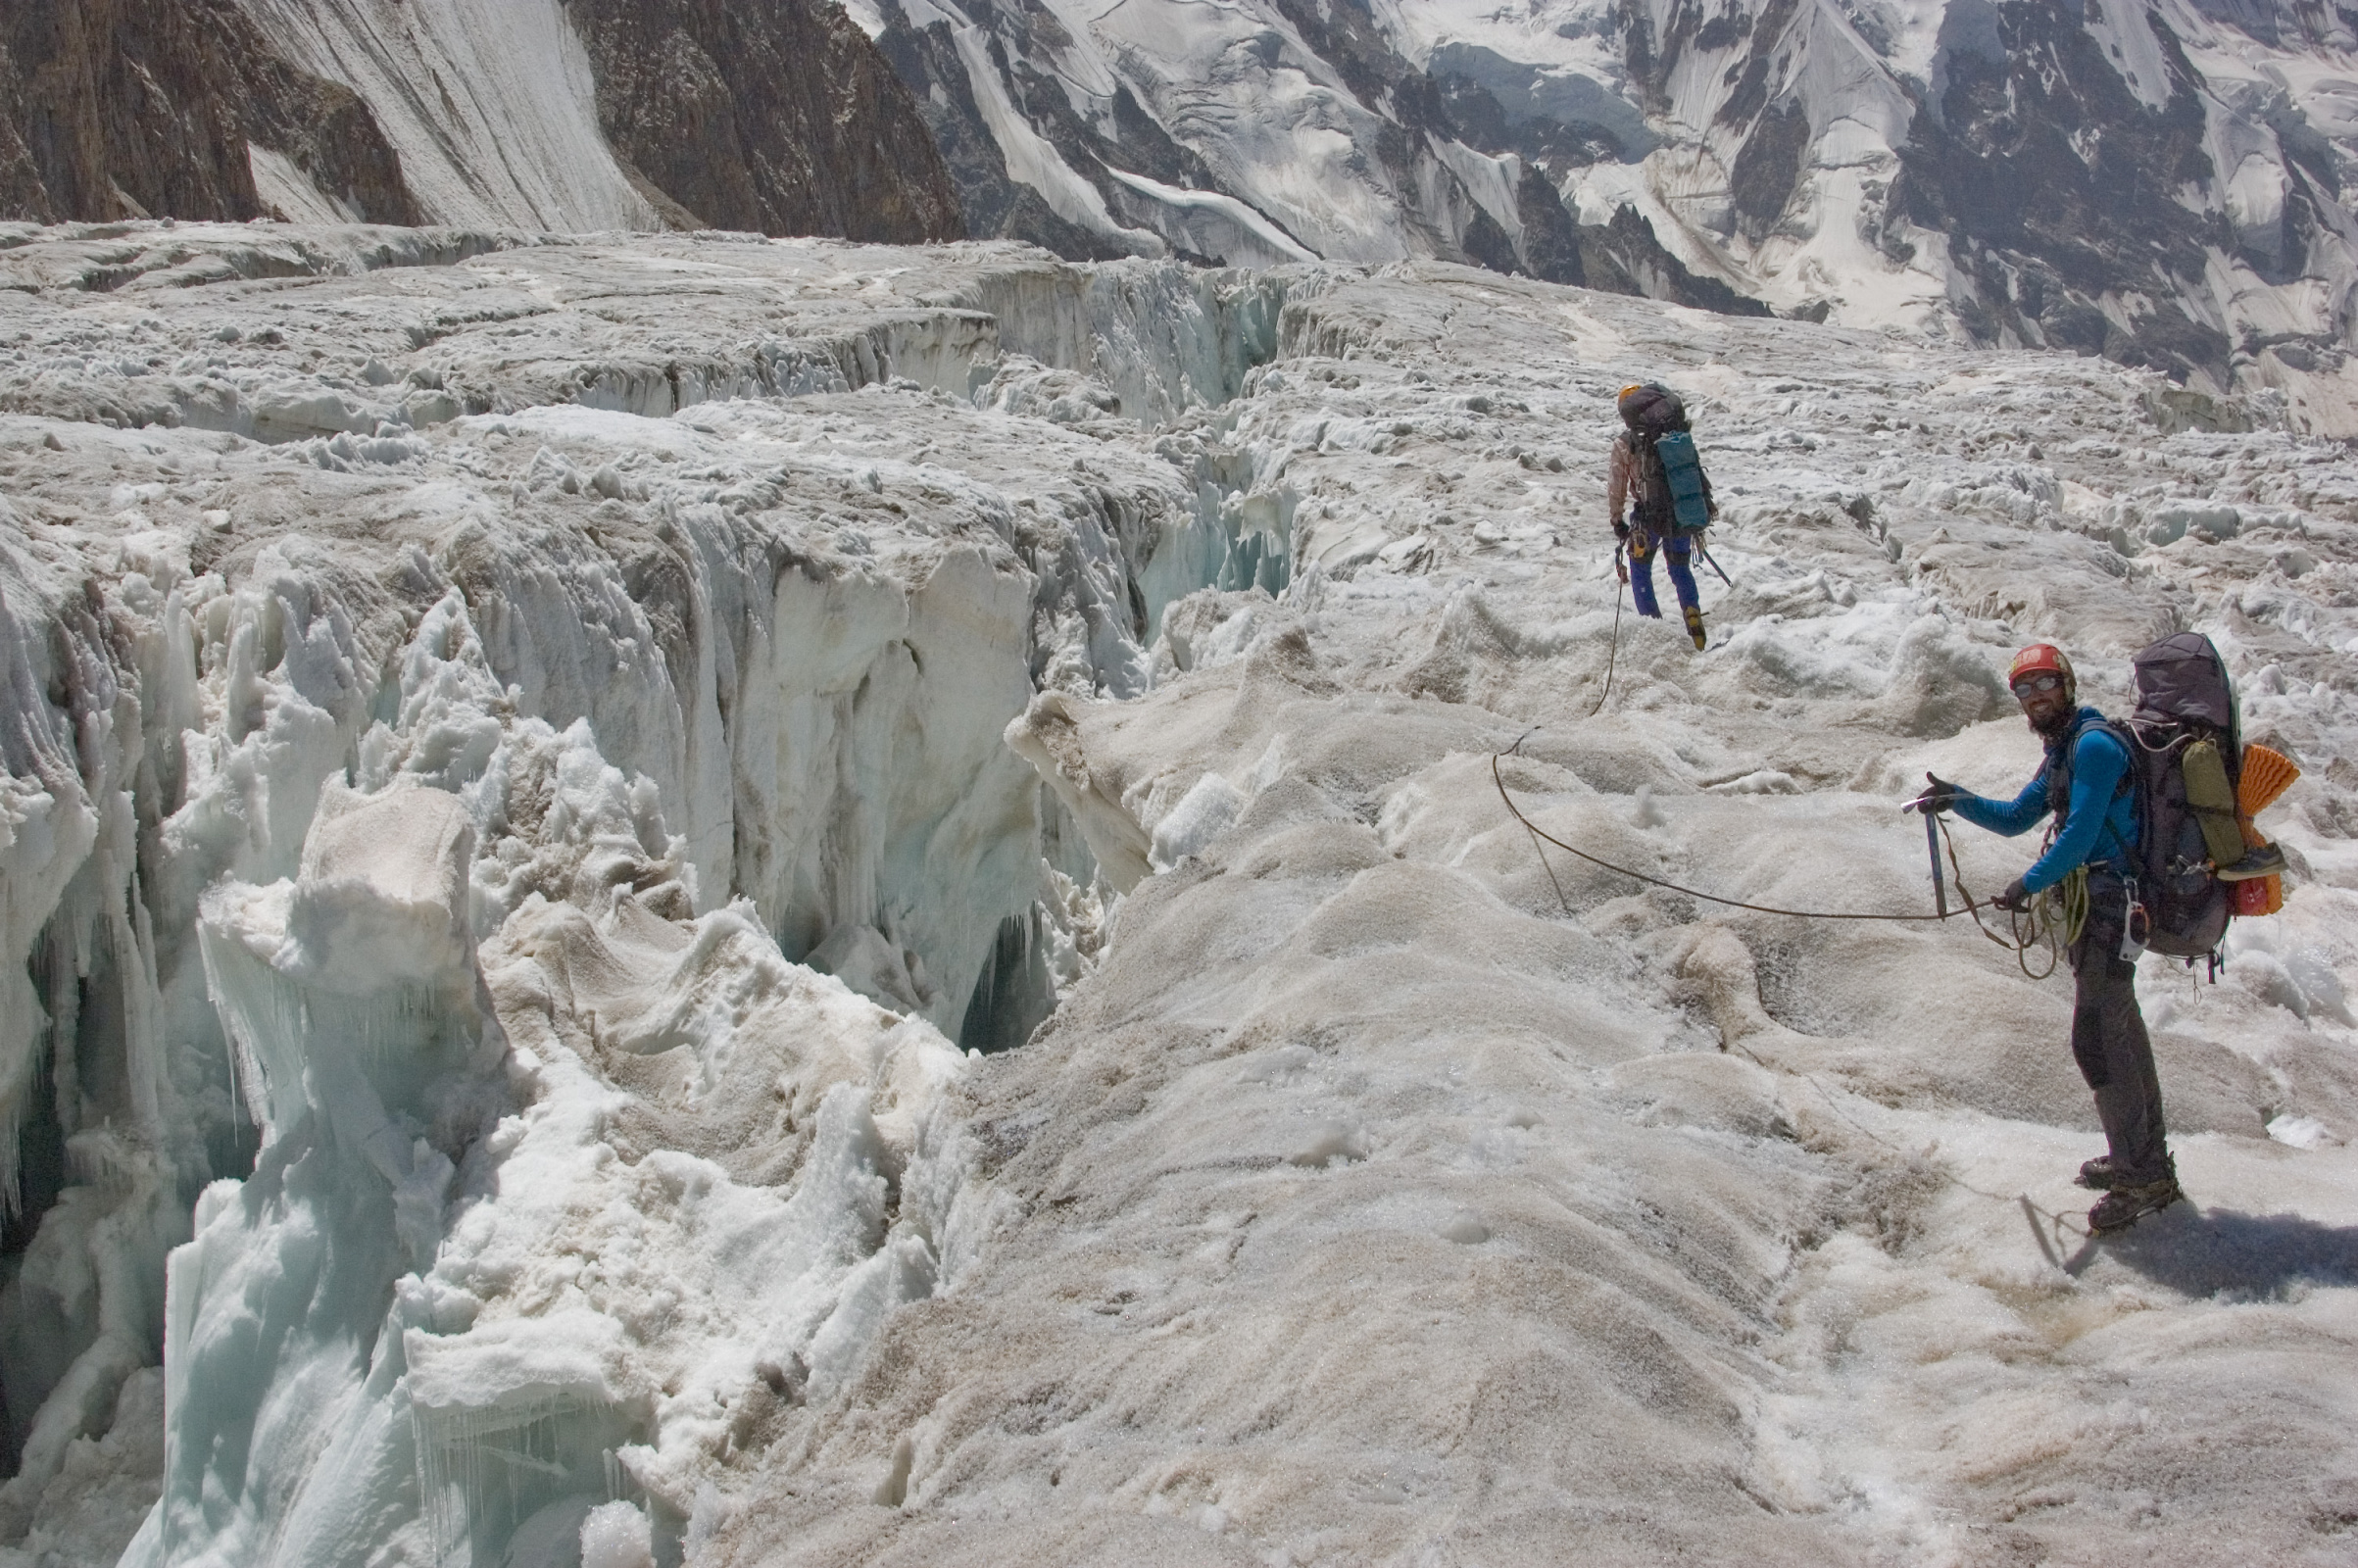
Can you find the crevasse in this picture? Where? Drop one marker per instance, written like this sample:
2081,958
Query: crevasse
403,894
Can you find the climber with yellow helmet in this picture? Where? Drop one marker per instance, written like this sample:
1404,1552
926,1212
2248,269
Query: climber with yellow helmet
1655,467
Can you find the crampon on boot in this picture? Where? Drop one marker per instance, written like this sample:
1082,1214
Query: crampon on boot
2124,1206
1694,626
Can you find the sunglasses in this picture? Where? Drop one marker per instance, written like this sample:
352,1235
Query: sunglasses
2030,685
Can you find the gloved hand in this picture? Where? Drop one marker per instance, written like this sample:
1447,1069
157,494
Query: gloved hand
1939,795
2016,898
1621,530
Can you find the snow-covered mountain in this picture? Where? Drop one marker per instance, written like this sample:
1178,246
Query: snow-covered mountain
559,115
525,759
2159,185
2162,185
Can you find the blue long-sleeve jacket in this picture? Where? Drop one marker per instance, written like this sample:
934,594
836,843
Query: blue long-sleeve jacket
2099,821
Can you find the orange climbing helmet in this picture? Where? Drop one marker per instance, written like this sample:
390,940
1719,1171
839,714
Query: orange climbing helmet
2044,658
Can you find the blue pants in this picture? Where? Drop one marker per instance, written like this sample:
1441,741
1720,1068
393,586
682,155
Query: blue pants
1678,550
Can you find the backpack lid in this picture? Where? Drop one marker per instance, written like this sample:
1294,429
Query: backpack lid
2183,678
1651,409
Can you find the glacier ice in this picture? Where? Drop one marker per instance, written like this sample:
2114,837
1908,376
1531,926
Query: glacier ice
522,784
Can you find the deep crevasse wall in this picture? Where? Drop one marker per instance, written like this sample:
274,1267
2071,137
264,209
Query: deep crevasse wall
612,716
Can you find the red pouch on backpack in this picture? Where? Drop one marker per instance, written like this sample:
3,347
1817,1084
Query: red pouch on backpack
2261,895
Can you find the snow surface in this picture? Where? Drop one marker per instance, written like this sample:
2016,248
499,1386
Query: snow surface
459,687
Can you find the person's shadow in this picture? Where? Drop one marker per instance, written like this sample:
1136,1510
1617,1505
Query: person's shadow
2220,1252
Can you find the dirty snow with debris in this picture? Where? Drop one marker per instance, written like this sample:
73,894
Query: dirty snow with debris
548,783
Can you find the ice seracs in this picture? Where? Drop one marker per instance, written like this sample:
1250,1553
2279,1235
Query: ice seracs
502,886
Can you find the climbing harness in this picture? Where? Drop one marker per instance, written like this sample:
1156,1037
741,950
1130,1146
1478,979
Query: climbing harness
2055,913
1612,652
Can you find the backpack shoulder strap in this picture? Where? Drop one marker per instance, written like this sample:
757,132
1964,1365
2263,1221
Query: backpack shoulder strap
2132,748
2058,768
2126,739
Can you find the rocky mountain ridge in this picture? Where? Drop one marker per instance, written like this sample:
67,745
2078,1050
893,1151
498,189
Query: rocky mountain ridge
2162,186
589,114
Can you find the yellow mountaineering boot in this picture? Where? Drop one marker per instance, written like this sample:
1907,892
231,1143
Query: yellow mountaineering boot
1694,626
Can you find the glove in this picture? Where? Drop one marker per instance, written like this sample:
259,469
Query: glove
2016,898
1621,530
1939,795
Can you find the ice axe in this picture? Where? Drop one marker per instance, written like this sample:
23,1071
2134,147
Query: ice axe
1932,848
1706,552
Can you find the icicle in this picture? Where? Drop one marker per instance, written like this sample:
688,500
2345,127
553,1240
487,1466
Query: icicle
483,1470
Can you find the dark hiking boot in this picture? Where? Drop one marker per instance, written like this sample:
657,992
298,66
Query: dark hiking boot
2124,1206
2099,1174
1694,626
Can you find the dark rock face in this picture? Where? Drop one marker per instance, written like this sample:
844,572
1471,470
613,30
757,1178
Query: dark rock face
1625,257
1547,128
1768,168
1622,256
770,115
2080,205
993,206
136,108
2056,185
775,115
1472,96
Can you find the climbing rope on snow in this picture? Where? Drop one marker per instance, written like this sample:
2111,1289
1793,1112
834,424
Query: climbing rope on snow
2056,917
1693,892
1612,652
2031,1211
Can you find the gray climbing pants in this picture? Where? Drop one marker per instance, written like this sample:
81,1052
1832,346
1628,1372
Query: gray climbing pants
2109,1039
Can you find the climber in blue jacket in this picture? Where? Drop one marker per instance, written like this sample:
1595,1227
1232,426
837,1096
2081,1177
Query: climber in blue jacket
2085,782
2097,812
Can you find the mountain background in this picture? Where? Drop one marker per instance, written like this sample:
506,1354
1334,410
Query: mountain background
2161,184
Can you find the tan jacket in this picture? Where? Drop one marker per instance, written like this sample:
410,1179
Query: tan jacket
1621,480
1621,477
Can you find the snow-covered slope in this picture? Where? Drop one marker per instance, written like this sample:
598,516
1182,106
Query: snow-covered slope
492,108
2162,185
526,758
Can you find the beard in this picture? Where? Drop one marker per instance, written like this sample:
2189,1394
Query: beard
2057,722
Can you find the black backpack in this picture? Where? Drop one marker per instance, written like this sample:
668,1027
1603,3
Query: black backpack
2183,736
1672,489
